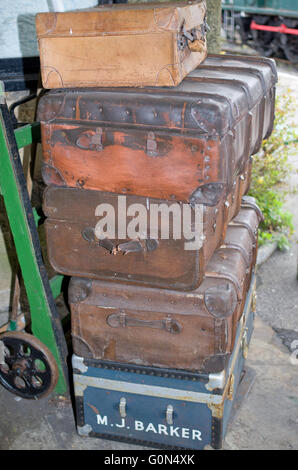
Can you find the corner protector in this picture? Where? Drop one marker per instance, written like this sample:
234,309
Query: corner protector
84,430
79,289
208,447
216,381
78,364
216,409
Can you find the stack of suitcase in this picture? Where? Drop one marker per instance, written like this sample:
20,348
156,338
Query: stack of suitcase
160,332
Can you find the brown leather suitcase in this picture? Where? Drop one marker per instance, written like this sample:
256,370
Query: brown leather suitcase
235,68
186,143
151,44
75,248
167,328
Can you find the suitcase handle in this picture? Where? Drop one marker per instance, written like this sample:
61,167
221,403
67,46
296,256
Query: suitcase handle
132,246
88,141
122,320
195,38
197,45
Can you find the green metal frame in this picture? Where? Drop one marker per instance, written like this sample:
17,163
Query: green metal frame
45,321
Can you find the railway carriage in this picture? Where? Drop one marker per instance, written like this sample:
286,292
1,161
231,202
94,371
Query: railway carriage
272,25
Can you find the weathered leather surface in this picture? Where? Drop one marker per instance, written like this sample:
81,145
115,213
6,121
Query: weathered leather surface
167,143
73,249
167,328
121,45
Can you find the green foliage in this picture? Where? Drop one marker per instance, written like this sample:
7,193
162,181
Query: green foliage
271,170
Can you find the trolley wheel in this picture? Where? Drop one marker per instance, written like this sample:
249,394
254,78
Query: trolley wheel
27,366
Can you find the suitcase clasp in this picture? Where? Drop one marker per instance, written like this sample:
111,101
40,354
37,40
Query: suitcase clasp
231,388
195,39
169,414
151,145
245,344
122,407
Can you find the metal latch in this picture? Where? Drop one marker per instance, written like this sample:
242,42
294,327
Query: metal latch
87,141
231,388
151,146
96,140
245,344
214,220
206,26
169,414
122,407
188,34
254,302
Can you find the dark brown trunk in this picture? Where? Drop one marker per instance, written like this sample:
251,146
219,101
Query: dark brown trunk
182,144
75,248
168,328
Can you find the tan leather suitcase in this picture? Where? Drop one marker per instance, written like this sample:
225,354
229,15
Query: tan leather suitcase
167,328
151,44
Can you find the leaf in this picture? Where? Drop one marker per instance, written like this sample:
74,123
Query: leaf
271,170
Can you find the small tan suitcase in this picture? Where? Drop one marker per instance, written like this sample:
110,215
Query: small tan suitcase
152,44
